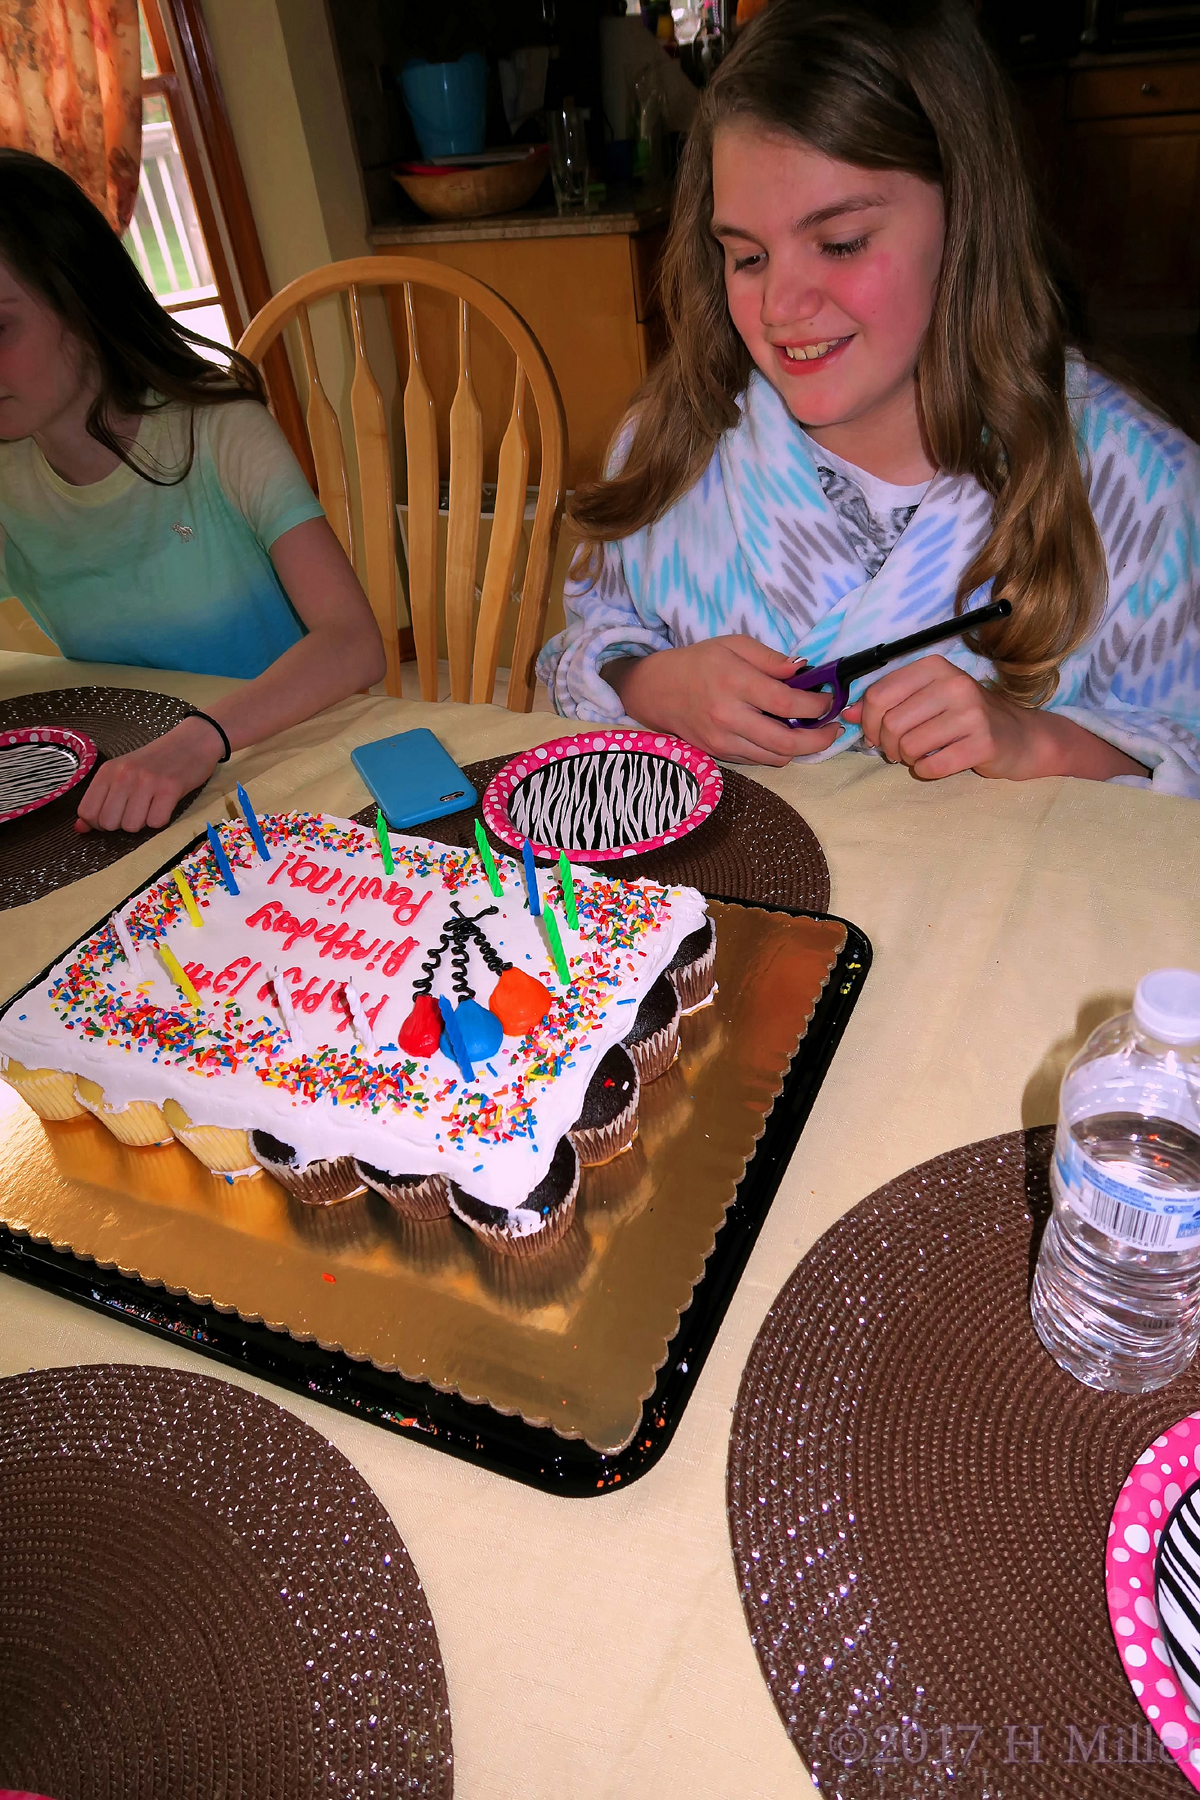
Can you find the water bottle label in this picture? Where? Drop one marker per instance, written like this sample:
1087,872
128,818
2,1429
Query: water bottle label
1132,1215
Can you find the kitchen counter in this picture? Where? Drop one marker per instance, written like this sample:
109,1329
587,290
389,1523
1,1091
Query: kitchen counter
625,214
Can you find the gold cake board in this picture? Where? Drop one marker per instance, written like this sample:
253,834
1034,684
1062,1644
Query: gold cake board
572,1339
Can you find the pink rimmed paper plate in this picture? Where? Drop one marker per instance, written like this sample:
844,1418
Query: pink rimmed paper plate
602,795
39,763
1159,1479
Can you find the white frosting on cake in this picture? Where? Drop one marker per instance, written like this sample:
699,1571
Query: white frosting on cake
324,913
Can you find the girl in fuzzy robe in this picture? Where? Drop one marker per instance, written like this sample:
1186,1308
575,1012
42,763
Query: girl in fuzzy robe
869,420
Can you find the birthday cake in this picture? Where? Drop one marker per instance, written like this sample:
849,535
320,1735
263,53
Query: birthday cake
349,1011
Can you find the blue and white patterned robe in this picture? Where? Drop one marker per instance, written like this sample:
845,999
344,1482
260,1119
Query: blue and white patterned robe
756,547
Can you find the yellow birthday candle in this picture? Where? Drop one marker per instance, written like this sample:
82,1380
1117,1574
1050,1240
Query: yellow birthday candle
178,974
187,896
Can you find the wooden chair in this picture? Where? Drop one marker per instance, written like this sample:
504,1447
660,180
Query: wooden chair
473,650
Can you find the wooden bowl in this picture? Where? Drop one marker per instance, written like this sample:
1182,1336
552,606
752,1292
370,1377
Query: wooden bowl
468,193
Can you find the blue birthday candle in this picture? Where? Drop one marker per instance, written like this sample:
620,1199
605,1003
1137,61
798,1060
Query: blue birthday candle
255,829
457,1047
222,861
531,885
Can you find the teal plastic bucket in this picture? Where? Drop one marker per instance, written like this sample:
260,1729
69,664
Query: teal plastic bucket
447,103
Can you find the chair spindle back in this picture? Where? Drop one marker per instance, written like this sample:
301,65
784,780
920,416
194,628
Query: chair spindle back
473,644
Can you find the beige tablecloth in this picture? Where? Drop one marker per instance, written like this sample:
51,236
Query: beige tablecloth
597,1648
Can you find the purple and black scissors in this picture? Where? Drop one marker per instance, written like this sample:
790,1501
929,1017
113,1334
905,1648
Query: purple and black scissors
837,676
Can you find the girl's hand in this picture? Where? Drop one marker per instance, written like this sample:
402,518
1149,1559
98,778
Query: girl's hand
145,787
727,695
940,721
342,652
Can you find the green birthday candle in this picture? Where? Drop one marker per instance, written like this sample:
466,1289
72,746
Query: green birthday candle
385,848
568,888
487,859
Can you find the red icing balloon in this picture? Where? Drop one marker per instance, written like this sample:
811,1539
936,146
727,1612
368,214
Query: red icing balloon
421,1032
519,1001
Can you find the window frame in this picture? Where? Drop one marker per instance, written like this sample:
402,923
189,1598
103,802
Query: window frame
188,82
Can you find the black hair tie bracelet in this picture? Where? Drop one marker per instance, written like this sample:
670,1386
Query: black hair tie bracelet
193,712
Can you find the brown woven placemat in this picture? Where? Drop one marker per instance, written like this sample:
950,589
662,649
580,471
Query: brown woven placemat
43,851
919,1502
754,846
199,1595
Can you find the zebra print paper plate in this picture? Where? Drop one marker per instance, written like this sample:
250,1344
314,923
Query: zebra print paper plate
602,795
37,764
1152,1571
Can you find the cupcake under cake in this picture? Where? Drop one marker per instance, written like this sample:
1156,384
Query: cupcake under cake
345,1026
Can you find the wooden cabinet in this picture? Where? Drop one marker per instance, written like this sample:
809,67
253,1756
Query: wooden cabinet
1120,148
1135,188
1133,90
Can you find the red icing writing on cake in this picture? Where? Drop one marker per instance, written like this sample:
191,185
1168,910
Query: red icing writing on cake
319,878
335,940
239,970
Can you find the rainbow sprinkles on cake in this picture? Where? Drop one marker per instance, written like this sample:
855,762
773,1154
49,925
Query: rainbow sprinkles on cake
343,1024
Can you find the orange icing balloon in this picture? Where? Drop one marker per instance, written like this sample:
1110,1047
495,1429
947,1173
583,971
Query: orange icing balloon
519,1001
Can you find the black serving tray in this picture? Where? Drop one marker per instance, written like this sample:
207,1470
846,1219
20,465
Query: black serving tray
477,1433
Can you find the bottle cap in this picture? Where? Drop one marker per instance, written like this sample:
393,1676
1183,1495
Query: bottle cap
1166,1004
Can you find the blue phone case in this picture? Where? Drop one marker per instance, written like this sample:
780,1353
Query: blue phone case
412,778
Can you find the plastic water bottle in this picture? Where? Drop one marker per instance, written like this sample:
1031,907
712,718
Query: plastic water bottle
1116,1292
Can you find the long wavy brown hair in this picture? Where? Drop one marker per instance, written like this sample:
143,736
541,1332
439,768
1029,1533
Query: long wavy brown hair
62,247
910,87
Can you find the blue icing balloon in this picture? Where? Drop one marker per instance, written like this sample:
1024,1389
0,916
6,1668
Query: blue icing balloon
480,1030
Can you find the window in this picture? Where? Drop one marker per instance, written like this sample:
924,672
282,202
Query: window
164,236
193,234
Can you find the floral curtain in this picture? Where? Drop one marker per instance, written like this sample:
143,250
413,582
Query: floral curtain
71,91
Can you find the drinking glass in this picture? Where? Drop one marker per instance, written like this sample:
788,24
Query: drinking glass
568,158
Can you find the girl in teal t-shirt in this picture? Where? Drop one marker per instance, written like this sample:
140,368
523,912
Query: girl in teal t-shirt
151,511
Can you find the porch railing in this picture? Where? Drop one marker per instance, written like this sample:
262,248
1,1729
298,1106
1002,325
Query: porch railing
164,234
